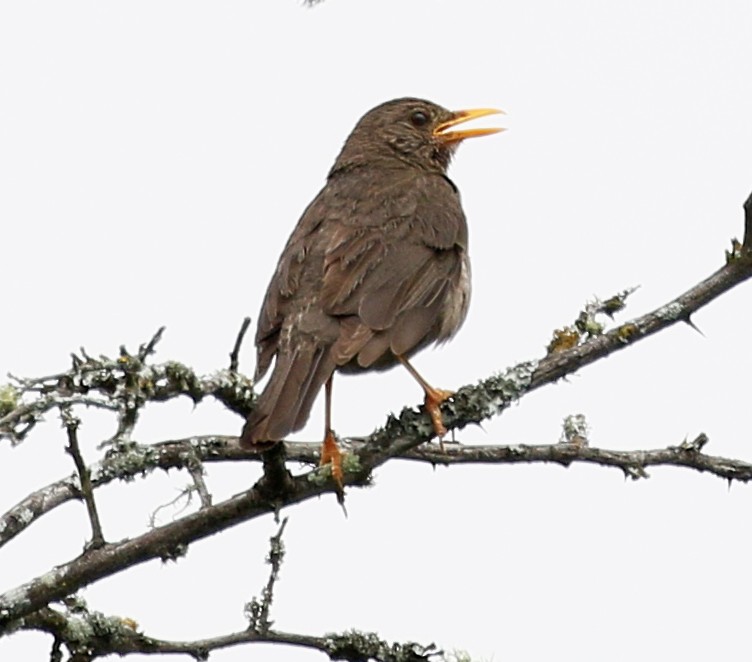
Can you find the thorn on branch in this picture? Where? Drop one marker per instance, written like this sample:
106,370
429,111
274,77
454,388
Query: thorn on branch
257,611
696,445
635,471
690,323
736,251
234,355
748,223
72,424
76,362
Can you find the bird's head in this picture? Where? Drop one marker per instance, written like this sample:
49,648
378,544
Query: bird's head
412,131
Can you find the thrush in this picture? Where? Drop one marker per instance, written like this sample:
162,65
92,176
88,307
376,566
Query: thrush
376,269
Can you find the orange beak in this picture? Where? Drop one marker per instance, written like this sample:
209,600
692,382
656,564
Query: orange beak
460,116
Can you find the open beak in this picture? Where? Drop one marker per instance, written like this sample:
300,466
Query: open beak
460,116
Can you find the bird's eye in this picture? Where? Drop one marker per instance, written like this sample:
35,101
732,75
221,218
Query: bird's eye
419,118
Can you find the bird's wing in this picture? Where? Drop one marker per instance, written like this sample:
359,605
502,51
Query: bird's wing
391,268
286,282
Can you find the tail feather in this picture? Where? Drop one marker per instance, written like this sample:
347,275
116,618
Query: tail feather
319,375
285,403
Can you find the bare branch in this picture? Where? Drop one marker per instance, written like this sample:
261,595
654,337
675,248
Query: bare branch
147,350
632,463
195,468
234,355
72,423
185,495
197,474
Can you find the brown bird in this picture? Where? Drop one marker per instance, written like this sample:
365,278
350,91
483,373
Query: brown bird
376,269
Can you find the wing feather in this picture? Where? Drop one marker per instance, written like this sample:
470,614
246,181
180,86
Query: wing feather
389,276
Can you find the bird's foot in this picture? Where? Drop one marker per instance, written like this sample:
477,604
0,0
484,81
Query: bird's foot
332,455
434,398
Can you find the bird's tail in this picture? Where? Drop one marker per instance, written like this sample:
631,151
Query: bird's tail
286,402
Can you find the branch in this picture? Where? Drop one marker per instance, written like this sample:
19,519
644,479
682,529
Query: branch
256,610
99,635
234,355
147,350
167,542
90,634
170,540
71,425
124,385
199,484
18,422
632,463
217,448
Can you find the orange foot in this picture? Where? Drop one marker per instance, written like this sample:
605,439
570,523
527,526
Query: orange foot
331,454
434,398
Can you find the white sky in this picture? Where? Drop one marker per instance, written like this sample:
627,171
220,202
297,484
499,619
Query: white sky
154,157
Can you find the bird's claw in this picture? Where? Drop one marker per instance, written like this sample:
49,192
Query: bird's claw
332,455
432,402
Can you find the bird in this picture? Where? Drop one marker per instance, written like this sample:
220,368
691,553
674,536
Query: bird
376,269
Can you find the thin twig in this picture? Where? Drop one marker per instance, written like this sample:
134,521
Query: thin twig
115,385
186,494
197,474
148,349
56,654
234,355
72,423
257,611
17,423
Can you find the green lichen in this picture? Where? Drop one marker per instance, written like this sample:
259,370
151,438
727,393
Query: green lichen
356,645
9,398
575,430
127,460
626,332
351,463
321,475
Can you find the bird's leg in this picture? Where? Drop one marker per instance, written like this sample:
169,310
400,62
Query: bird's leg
330,452
434,398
